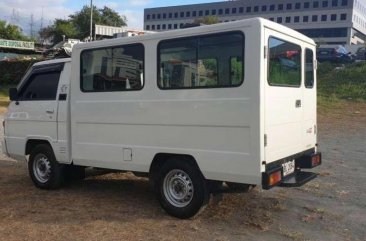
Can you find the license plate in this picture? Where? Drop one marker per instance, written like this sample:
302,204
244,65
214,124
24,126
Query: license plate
288,167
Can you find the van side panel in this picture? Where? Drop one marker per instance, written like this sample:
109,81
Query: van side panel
219,127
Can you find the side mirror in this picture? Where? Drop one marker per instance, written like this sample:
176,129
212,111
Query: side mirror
13,94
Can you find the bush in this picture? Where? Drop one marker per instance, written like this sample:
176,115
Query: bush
12,72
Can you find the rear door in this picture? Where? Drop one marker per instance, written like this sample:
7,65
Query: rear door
283,96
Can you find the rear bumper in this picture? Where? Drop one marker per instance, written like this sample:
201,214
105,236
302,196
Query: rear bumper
274,174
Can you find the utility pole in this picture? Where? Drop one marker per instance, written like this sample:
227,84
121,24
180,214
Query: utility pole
42,19
91,20
31,25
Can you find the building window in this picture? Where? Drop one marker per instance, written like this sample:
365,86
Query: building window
280,7
333,17
241,10
264,8
249,9
148,16
200,13
195,62
289,6
188,14
169,26
181,25
296,19
279,20
324,18
272,19
343,16
233,10
315,4
334,3
227,10
213,11
325,4
159,16
280,73
175,26
221,12
314,18
194,13
147,27
153,16
153,27
164,26
158,27
297,5
305,19
112,68
207,12
288,19
170,15
324,32
272,7
176,15
306,4
182,14
164,15
344,2
256,8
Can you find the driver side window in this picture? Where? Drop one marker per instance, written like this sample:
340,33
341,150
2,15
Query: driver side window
40,86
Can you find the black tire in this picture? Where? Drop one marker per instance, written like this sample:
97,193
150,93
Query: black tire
73,173
199,198
54,178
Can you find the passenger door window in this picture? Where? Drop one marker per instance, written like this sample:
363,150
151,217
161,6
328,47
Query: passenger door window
42,86
284,63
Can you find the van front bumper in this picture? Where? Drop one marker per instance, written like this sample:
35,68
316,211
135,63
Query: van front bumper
275,174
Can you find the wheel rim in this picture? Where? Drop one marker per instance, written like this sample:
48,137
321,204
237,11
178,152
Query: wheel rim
178,188
42,168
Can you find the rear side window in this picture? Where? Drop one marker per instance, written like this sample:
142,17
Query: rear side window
309,68
208,61
42,86
284,68
117,68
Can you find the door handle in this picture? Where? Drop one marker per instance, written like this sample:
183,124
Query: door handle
298,103
50,111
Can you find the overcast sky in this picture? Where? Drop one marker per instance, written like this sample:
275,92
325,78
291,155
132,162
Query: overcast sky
19,11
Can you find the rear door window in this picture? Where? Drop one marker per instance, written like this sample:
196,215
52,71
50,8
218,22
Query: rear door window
284,68
309,68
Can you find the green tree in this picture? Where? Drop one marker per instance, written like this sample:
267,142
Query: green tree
78,24
208,20
12,32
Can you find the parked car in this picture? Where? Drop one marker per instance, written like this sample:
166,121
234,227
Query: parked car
333,55
360,54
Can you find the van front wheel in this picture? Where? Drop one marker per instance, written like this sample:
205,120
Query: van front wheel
44,170
181,189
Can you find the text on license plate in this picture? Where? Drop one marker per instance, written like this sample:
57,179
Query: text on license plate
288,167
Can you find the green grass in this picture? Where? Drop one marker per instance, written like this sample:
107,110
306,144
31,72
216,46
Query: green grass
4,99
348,83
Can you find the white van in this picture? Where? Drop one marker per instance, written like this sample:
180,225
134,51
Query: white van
229,105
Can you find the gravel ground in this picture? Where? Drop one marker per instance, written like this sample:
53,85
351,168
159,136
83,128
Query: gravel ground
122,207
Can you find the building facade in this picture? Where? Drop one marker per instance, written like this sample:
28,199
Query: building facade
326,21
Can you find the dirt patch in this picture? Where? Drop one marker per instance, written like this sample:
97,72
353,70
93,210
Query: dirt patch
123,207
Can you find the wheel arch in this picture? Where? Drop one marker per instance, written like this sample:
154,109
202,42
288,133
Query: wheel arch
161,158
31,143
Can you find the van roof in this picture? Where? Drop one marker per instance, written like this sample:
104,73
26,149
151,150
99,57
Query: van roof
197,30
53,61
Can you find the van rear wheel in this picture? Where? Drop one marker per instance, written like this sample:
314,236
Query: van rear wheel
44,170
181,189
